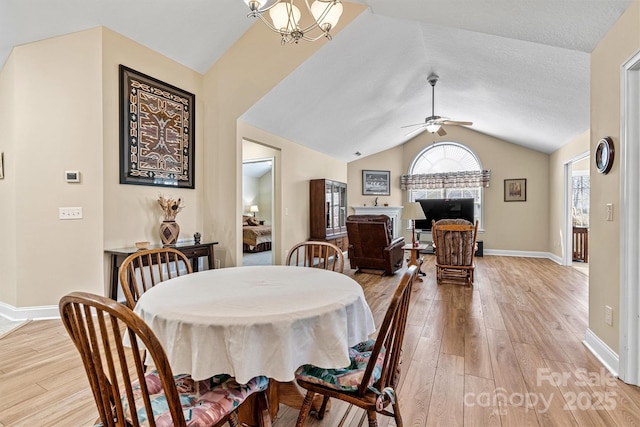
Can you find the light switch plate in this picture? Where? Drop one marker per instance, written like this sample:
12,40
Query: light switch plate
70,213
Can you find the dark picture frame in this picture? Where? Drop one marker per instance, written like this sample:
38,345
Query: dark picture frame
375,183
2,165
157,132
515,190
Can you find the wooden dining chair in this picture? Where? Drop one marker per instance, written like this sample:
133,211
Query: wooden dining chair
370,381
316,254
454,241
144,269
124,394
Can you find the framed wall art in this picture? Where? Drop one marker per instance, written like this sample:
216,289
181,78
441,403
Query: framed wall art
1,165
515,190
157,132
375,183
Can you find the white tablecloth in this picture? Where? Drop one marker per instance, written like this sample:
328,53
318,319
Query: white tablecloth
257,320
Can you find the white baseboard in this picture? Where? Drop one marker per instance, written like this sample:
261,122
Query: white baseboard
29,313
523,254
602,352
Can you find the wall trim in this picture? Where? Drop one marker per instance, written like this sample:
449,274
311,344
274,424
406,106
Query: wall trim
29,313
523,254
629,228
602,351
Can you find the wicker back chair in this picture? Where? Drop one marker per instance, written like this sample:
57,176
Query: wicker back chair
455,246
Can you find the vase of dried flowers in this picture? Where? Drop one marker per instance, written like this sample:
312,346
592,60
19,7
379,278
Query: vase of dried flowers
169,228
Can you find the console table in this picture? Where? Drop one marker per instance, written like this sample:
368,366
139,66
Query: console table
191,250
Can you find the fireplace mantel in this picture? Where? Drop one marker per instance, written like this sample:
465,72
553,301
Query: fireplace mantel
393,212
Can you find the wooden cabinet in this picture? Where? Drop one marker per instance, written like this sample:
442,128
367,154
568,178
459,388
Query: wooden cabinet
328,211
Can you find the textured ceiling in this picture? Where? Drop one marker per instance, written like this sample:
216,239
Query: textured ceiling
518,69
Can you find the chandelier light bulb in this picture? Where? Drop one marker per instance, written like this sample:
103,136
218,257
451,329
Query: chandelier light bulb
285,16
326,13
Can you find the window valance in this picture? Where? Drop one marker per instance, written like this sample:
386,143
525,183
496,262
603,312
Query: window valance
462,179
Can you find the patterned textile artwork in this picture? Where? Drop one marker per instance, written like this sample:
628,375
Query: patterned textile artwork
157,123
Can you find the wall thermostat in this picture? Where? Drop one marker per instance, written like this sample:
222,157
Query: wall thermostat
72,176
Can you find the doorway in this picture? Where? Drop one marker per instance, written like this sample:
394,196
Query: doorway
580,196
629,360
575,244
258,201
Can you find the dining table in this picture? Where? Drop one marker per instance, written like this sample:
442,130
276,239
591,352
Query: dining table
258,320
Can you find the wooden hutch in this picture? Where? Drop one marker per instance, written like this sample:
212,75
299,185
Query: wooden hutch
328,212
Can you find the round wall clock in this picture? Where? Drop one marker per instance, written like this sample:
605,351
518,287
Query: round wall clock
604,155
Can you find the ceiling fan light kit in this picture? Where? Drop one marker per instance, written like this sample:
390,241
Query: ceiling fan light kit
434,123
285,17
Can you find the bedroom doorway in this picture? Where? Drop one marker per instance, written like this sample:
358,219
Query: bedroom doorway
258,205
575,249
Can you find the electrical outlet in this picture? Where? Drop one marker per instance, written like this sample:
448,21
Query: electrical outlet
608,315
70,213
609,207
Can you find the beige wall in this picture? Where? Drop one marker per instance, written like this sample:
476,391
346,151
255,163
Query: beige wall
67,118
57,126
131,212
390,160
573,148
295,165
512,226
231,87
8,211
622,41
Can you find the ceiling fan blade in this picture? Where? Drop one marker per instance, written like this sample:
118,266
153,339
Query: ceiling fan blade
416,130
441,131
456,123
408,126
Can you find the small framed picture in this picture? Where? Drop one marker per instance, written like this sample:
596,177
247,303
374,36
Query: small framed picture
515,190
375,183
1,165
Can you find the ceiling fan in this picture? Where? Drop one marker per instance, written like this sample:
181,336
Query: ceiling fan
434,123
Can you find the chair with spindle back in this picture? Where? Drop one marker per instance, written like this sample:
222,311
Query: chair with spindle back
144,269
316,254
127,395
371,380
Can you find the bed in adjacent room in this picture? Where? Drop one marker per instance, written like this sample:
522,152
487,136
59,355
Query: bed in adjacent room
255,237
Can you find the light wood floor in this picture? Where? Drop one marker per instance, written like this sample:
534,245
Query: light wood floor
506,352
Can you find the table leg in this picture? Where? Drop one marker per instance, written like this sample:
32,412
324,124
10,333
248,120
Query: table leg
113,292
292,395
253,414
258,411
416,262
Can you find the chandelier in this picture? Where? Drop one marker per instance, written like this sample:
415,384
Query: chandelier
285,18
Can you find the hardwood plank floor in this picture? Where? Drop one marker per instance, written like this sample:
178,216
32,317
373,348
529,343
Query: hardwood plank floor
507,352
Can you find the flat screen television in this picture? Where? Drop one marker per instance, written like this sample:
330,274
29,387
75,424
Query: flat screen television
437,209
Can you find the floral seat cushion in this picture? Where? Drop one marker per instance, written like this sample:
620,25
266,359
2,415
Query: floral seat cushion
348,378
204,403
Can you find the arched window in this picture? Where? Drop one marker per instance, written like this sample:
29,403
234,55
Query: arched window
448,158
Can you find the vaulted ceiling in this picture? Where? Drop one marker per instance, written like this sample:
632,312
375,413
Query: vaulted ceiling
518,69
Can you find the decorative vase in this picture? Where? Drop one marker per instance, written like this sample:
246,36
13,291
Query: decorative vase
169,231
